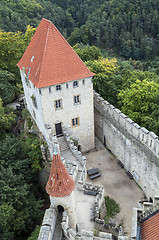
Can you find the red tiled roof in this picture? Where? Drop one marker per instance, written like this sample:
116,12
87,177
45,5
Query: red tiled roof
60,184
150,228
54,60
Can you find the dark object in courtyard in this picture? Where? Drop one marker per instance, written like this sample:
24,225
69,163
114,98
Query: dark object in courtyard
129,175
121,164
92,193
94,173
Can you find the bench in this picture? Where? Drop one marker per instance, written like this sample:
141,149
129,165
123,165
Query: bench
92,193
93,171
95,175
121,164
129,175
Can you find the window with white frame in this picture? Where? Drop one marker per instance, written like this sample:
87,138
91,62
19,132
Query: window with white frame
58,104
75,84
75,122
77,100
58,87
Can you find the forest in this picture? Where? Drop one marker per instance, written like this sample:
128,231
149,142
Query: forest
117,40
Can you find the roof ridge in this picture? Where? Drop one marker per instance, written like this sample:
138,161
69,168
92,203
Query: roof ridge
43,55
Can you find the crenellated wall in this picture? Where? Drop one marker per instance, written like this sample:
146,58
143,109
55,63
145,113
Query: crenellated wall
134,146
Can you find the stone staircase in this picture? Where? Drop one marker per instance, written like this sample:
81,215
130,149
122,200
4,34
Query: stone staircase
62,143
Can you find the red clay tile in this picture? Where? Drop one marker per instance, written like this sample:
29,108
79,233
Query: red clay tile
54,61
60,184
150,228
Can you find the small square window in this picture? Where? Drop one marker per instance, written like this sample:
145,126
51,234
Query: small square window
77,99
58,87
75,122
58,104
75,84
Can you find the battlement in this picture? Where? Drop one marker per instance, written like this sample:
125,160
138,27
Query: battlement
135,146
149,139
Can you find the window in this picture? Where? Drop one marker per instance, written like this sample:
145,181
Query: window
27,82
83,81
77,100
58,104
58,87
75,84
40,91
49,89
75,122
66,85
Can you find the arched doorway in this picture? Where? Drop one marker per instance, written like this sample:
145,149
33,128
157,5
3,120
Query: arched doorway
60,209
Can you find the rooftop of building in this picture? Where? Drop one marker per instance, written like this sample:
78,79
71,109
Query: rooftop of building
150,227
50,60
60,184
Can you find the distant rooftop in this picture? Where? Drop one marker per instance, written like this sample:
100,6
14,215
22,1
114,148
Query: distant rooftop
50,59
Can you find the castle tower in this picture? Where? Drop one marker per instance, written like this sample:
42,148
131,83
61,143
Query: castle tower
58,86
60,187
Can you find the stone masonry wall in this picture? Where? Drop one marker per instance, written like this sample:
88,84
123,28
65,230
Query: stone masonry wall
134,146
64,115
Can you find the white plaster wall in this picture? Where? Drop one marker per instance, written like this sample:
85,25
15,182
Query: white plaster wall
68,203
85,111
135,147
29,91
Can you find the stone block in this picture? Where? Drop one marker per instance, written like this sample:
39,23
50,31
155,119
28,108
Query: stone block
104,235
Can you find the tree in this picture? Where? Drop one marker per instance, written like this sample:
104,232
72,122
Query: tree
104,81
7,86
87,53
140,103
16,190
7,117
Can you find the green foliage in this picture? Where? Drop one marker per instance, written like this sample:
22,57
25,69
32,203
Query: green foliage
140,103
26,115
32,147
129,27
35,233
104,79
7,117
7,87
18,203
112,208
87,53
7,213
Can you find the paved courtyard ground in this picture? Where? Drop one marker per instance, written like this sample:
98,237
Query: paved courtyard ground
116,183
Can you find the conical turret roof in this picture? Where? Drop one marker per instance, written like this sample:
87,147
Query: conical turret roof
60,184
50,60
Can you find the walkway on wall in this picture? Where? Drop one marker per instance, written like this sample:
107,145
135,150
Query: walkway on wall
83,202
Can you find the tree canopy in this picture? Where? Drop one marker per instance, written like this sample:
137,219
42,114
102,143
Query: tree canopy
140,103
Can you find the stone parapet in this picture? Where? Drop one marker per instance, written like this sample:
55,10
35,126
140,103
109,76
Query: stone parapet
48,224
147,138
135,146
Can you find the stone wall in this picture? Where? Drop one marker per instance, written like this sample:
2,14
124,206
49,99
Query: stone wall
83,110
134,146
